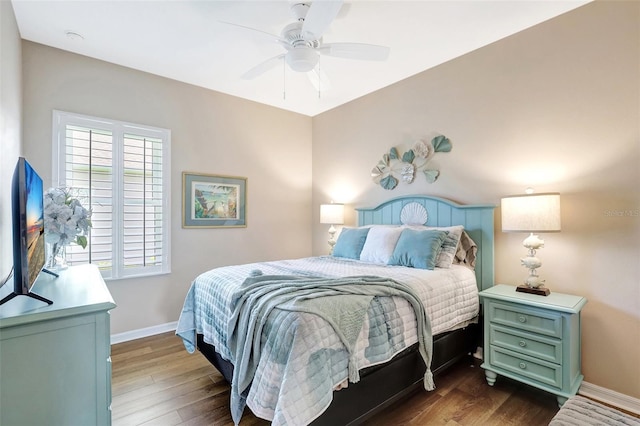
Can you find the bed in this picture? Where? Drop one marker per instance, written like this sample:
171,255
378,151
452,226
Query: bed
305,364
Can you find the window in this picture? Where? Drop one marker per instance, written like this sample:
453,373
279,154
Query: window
121,172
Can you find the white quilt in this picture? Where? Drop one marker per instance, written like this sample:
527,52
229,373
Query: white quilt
286,391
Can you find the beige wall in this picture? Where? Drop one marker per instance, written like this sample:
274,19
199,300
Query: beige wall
210,133
555,107
10,121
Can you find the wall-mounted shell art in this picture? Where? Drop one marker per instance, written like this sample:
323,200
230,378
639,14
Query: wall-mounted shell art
411,162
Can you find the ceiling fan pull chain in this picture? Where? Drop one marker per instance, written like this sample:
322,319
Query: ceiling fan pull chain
319,79
284,80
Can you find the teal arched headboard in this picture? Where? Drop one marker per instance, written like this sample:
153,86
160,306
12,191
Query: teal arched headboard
476,219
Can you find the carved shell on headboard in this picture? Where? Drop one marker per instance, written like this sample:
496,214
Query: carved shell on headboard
413,214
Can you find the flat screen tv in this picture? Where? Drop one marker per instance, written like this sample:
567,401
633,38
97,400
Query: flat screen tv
28,230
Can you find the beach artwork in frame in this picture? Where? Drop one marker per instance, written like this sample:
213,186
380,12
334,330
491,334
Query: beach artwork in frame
213,201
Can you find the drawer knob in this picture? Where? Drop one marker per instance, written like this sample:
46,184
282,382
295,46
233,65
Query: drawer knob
522,343
522,318
523,365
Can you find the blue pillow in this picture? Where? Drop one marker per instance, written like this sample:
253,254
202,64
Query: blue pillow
418,248
350,242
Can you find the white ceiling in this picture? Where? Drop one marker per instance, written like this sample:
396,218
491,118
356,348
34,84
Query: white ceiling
185,41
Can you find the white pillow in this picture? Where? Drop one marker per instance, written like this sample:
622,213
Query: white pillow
380,243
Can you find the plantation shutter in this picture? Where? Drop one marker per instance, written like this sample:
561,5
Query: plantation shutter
142,201
119,171
88,172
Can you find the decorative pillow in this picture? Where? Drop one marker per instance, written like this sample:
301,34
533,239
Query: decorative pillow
350,242
467,251
381,240
449,246
418,249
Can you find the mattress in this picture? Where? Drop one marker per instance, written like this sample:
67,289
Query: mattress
287,393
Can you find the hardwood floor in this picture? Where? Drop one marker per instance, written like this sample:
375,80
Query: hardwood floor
156,382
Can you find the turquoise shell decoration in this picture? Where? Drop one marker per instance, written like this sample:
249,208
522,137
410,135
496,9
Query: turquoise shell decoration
388,182
381,173
408,157
408,164
431,175
441,144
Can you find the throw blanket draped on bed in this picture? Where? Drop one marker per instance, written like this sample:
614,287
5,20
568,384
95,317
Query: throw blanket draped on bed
342,302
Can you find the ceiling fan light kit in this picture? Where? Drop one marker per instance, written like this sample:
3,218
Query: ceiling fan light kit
302,59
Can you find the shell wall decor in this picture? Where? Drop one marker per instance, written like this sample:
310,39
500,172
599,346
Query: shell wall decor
411,162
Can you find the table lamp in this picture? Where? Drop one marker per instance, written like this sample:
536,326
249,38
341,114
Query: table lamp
332,214
531,213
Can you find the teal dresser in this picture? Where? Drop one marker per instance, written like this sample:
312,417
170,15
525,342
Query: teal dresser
55,366
533,339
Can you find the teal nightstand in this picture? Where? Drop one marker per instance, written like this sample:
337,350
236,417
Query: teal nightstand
533,339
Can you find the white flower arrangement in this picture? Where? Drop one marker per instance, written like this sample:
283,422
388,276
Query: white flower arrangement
65,220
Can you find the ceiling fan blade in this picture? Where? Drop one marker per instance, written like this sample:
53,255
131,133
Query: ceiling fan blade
367,52
320,15
264,34
262,67
319,79
344,11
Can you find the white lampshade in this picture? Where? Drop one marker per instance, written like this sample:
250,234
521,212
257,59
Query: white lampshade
332,214
531,213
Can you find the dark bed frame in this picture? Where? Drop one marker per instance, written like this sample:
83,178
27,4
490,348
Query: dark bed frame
382,385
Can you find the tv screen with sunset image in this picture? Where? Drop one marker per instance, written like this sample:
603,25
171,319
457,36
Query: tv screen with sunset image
27,205
34,225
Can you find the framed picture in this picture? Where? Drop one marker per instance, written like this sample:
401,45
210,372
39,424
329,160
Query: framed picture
212,201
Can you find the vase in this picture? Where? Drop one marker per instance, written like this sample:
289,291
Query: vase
57,260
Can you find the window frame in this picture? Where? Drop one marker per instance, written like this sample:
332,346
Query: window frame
118,130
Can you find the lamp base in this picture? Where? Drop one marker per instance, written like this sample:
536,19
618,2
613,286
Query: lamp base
540,291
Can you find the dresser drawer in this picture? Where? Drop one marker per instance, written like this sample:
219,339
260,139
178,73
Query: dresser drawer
537,346
525,318
526,366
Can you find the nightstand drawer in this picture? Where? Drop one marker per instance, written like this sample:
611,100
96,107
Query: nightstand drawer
537,346
524,318
526,366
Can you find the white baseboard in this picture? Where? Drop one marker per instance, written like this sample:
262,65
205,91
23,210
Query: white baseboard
143,332
610,397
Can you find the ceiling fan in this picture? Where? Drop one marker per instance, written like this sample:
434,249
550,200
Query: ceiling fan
303,42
